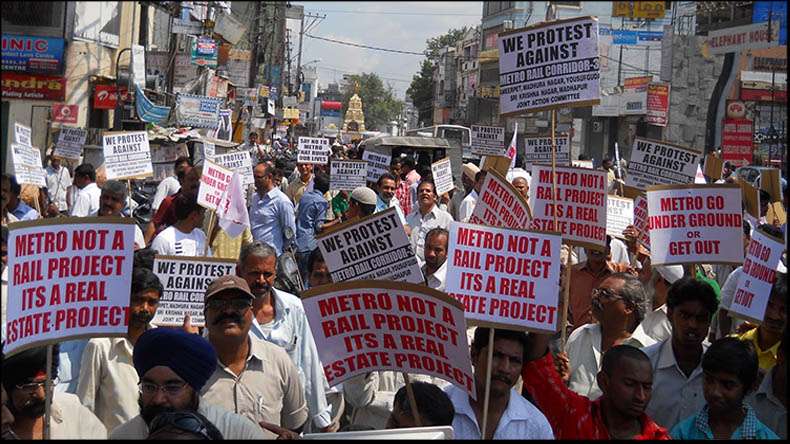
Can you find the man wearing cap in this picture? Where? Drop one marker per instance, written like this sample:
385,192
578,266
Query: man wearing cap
656,324
24,379
272,215
107,377
173,366
361,203
470,201
253,378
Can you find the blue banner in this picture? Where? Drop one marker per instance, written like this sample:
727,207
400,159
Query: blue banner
147,110
32,55
624,37
778,12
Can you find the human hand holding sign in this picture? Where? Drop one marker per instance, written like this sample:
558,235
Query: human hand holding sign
187,326
281,432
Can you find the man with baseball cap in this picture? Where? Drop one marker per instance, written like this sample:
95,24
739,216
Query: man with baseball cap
253,377
173,367
656,324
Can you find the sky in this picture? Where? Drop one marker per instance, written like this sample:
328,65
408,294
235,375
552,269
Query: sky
403,26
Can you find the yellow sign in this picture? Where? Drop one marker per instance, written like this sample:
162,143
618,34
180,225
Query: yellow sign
263,91
642,10
291,113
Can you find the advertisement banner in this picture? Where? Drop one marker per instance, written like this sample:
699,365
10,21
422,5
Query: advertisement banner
28,166
373,247
62,113
580,204
378,164
366,326
548,66
33,87
198,111
127,155
345,175
619,215
32,54
660,163
204,52
633,103
639,9
505,278
224,129
106,96
741,38
500,204
70,142
695,224
185,280
657,104
213,183
239,162
313,150
69,278
737,142
488,140
442,176
759,274
538,150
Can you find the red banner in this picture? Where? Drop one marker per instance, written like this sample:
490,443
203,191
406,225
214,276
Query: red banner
762,95
33,87
736,141
62,113
657,104
105,96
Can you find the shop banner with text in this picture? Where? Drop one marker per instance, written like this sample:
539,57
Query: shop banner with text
661,163
127,155
500,204
657,104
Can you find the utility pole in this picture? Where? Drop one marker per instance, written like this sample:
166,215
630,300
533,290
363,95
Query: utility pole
620,61
302,30
256,36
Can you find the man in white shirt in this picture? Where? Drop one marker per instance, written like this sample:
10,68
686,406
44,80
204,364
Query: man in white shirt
171,184
470,201
107,378
656,323
58,181
676,362
510,415
112,201
86,200
183,238
178,364
435,268
426,217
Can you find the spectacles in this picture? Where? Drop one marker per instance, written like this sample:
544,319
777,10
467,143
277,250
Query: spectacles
184,421
604,293
238,304
33,386
170,389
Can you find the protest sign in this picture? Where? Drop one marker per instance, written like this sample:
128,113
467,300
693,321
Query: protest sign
213,183
27,165
505,278
127,155
769,181
640,220
549,65
695,224
538,150
240,162
500,164
209,150
365,326
442,176
619,215
68,278
70,143
580,204
488,140
583,164
751,199
660,163
378,164
500,204
22,134
345,175
185,280
373,247
759,274
313,150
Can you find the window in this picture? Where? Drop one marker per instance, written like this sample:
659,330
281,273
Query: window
490,41
99,22
568,4
33,18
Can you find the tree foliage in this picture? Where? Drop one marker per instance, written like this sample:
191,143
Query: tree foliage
450,38
378,100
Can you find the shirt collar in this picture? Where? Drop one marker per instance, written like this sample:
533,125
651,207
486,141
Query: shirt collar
273,192
748,427
607,270
441,272
257,350
666,358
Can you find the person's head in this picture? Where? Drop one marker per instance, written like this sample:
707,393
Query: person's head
84,175
4,246
426,195
317,271
508,358
252,137
24,377
145,294
113,198
277,177
5,191
386,185
434,406
181,166
775,317
765,201
607,164
182,425
14,189
173,367
144,258
727,169
747,234
406,166
584,157
596,259
521,184
191,181
321,182
662,276
436,248
262,174
691,304
228,309
305,170
729,373
619,300
257,265
480,177
626,380
54,161
395,168
188,211
362,202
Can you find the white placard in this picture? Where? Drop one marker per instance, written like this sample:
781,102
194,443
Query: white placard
488,140
442,176
68,278
138,65
505,278
22,134
70,143
548,66
538,150
185,280
500,204
209,150
345,175
314,150
239,162
619,215
127,155
374,247
213,183
660,163
759,274
27,165
695,224
378,164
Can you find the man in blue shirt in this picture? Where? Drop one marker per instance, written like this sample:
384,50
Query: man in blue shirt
21,210
309,220
272,214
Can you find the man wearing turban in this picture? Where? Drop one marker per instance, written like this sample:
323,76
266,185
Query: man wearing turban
173,366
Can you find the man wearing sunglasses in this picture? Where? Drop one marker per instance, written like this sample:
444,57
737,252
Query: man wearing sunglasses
173,367
24,379
253,377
